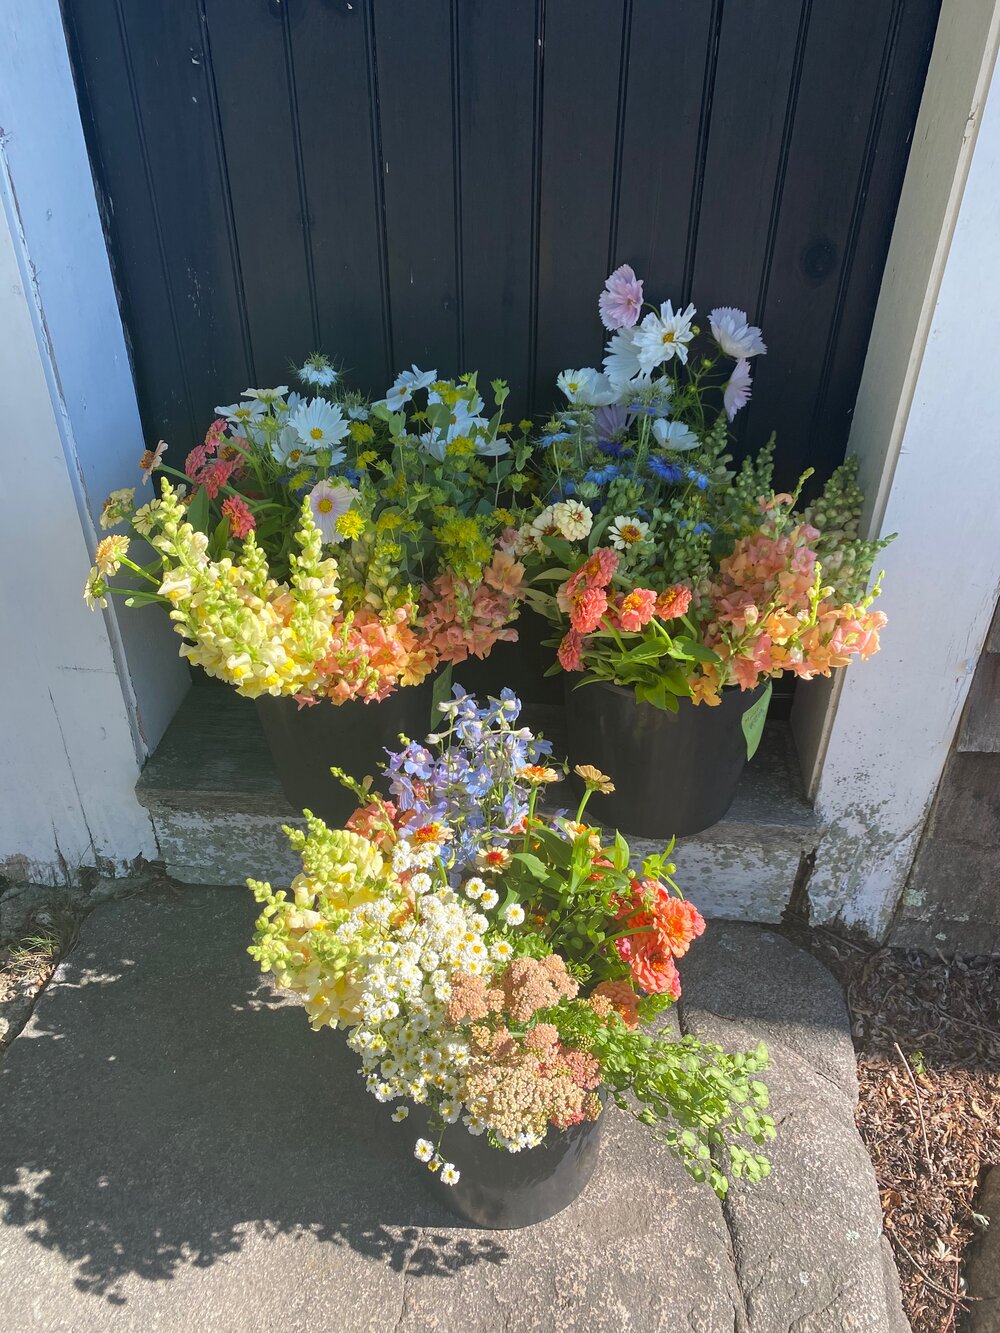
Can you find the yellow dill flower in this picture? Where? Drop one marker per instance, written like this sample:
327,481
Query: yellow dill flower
506,427
525,424
300,479
504,517
418,416
350,525
361,432
461,447
367,458
389,520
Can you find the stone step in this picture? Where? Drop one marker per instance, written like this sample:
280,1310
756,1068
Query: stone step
218,810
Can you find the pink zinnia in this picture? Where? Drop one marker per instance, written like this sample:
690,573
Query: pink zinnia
570,652
673,602
215,475
587,609
241,521
737,391
620,304
636,609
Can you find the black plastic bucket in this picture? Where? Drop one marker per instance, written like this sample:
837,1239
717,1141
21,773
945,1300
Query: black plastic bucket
674,773
503,1190
304,743
519,666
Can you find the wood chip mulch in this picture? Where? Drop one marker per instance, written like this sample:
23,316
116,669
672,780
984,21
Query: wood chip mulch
927,1033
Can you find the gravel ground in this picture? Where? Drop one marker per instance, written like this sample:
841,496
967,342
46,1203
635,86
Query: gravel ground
927,1034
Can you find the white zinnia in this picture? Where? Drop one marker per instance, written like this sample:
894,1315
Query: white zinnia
489,898
734,334
661,337
514,914
574,520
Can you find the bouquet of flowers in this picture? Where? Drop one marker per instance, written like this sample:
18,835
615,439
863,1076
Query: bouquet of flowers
410,496
675,573
494,965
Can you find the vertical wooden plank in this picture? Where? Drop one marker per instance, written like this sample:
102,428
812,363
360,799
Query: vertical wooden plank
837,99
175,111
413,45
131,222
338,121
582,68
878,196
497,50
751,95
670,66
254,75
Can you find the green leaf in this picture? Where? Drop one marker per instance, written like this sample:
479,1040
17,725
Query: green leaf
753,721
197,511
622,852
696,651
532,864
440,694
560,549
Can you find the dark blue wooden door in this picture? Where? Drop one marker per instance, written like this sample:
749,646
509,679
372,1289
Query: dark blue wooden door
449,182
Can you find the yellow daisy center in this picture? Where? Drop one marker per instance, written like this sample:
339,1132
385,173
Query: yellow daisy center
325,505
316,433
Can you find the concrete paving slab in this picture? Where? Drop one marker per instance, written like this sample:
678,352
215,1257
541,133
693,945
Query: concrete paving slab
178,1151
808,1243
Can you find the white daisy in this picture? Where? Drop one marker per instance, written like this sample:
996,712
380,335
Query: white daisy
475,887
514,914
489,898
627,532
734,335
661,337
328,502
400,1113
450,1174
424,1150
320,425
674,434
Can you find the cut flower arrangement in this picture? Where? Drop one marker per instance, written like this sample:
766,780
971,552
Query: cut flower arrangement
495,966
368,530
662,567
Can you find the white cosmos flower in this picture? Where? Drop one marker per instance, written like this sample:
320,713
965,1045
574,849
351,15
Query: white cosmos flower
661,337
406,384
320,425
328,502
288,449
735,336
627,532
587,387
621,361
674,434
242,414
266,396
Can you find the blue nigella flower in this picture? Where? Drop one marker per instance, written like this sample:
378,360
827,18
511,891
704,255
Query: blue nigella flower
665,469
699,478
615,450
548,440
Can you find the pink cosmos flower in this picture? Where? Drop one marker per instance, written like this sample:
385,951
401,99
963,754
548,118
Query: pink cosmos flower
737,391
241,521
620,304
